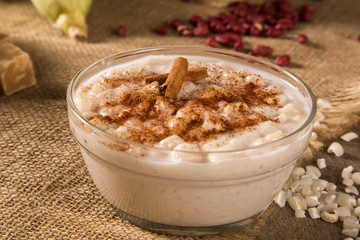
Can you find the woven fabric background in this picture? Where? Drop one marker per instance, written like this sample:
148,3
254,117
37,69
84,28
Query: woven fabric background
45,189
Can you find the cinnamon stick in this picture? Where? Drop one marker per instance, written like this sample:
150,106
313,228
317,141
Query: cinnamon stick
176,77
193,75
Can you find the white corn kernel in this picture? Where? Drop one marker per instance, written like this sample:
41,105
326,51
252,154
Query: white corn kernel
289,194
322,103
320,184
280,199
297,202
312,201
306,190
300,213
330,199
352,189
294,185
357,211
356,178
323,196
314,213
321,162
314,171
331,187
328,217
299,171
348,168
314,136
348,182
328,207
305,180
352,232
349,136
316,191
350,223
345,200
336,148
357,202
346,172
342,211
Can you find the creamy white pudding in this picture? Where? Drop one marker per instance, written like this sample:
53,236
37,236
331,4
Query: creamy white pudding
216,154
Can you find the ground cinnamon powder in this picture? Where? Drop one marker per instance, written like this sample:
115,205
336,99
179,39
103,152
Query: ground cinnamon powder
155,125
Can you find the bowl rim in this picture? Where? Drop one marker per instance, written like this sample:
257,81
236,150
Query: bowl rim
72,106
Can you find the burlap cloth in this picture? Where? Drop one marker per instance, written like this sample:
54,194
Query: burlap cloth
45,190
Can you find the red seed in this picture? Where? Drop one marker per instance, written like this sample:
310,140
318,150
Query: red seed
238,28
184,30
231,25
238,46
210,41
242,4
195,20
267,8
255,8
273,32
302,38
201,30
306,12
218,27
358,38
283,5
221,15
270,19
256,29
262,50
255,18
282,60
234,37
222,39
284,24
252,53
175,23
122,30
162,29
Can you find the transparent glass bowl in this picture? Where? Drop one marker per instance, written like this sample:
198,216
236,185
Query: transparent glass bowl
187,198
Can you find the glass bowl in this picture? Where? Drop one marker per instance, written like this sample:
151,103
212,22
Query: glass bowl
152,191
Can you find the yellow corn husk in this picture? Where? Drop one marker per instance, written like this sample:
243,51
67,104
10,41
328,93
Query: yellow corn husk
67,15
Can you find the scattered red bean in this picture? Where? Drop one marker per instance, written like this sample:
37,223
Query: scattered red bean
234,37
252,53
238,46
256,29
201,30
184,30
210,41
306,12
262,50
162,29
175,23
302,38
273,32
222,39
282,60
358,37
122,30
195,20
270,19
284,24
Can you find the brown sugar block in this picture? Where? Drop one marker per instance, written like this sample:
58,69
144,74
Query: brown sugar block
5,39
16,69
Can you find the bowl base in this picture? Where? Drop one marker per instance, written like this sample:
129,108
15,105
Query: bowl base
183,230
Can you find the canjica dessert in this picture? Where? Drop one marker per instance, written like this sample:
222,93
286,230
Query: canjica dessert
196,143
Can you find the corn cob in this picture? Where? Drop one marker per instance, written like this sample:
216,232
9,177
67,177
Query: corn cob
67,15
